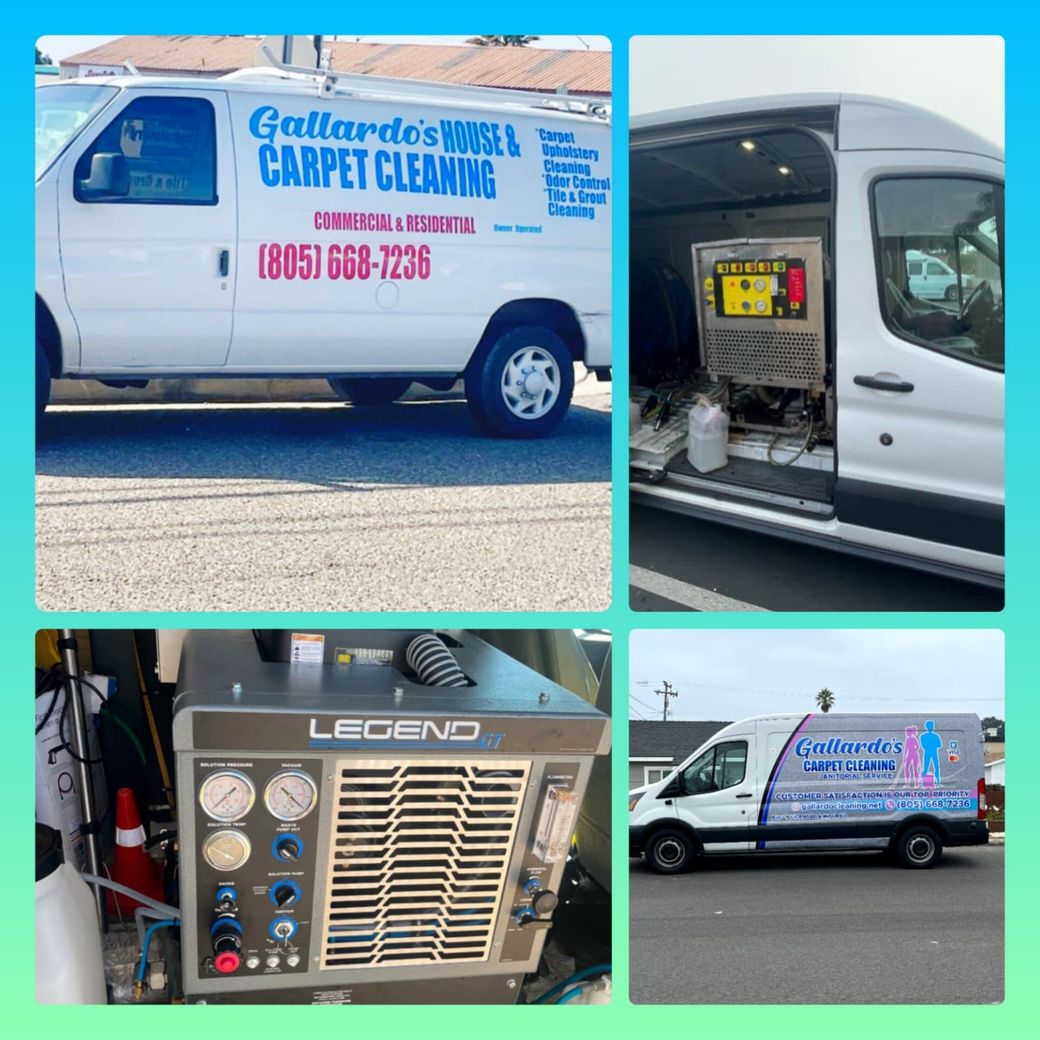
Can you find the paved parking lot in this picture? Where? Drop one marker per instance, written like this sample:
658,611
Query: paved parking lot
840,928
683,563
313,507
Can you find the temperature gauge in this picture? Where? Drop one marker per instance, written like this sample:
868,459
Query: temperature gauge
226,850
290,795
227,795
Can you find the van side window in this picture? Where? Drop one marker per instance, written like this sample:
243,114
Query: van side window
940,262
719,767
169,147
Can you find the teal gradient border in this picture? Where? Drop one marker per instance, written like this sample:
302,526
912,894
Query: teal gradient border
19,618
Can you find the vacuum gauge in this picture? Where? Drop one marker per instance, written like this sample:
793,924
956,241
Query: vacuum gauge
290,795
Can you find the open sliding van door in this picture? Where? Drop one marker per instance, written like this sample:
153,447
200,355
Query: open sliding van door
920,380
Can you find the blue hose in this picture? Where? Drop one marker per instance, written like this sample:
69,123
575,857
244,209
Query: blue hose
152,929
570,995
578,976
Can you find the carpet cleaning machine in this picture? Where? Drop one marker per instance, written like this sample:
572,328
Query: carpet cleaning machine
371,816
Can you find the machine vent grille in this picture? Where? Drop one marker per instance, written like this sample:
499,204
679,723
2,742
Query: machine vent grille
766,357
417,860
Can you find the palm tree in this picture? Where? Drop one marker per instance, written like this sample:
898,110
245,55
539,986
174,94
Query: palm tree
825,700
502,41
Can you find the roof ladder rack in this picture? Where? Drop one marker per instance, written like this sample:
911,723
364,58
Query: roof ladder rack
330,83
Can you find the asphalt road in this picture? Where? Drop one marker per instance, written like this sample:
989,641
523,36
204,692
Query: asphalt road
320,507
842,928
769,573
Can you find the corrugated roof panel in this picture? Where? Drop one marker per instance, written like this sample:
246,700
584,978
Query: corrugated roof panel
518,68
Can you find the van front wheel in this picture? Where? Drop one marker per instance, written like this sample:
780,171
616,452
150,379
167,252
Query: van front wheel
669,852
371,393
918,848
521,385
43,381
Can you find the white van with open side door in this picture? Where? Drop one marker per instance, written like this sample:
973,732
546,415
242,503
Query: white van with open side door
775,246
372,232
911,784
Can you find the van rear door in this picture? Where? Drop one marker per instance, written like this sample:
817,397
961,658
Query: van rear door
149,264
717,794
920,375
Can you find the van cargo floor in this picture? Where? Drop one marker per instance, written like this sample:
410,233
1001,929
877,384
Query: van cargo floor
761,479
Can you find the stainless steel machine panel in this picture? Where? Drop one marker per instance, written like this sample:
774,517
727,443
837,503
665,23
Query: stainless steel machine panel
761,311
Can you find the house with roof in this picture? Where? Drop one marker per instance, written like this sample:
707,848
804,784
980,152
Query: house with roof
656,748
586,73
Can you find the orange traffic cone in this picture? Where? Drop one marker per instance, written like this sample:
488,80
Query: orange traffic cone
131,864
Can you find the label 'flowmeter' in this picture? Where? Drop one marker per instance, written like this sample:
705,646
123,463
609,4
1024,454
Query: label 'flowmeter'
556,824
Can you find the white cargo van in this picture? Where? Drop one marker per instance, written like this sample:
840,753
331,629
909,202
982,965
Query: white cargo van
372,232
911,784
772,248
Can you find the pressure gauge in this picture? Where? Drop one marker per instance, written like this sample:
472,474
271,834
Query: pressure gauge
227,795
226,850
290,795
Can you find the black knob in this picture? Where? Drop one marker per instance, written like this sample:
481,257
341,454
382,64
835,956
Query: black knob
745,284
288,848
285,895
545,902
226,937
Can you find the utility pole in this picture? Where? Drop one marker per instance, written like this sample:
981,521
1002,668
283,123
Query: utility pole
668,691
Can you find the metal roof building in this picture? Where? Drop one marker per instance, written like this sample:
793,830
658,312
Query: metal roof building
511,68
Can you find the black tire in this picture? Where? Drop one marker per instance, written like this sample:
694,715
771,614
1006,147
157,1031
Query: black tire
669,852
918,848
951,293
43,381
371,393
486,395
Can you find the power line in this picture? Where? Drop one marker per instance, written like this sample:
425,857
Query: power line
642,704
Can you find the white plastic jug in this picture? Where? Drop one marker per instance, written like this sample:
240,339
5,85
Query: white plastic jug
69,965
709,433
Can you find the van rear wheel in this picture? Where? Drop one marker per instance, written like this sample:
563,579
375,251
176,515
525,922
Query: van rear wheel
371,393
521,385
669,852
43,381
918,848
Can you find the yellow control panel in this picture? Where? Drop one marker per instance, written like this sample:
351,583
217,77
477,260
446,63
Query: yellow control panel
756,289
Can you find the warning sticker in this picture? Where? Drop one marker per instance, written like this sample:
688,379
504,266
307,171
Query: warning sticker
362,655
307,648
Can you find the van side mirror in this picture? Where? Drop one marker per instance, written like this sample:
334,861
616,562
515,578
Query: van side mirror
109,177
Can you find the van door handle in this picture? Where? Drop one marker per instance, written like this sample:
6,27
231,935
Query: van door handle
748,795
224,262
896,386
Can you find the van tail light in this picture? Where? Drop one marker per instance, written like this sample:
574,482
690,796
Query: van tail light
982,799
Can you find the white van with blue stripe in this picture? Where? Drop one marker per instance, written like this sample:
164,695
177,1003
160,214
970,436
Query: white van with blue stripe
911,784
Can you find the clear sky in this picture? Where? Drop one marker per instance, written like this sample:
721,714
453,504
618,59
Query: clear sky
727,675
960,77
59,47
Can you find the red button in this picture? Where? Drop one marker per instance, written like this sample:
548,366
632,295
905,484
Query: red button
226,963
796,285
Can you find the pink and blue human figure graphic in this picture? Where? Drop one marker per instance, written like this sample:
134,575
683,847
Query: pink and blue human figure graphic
931,742
911,758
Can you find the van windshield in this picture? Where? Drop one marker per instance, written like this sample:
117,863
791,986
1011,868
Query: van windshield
60,112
